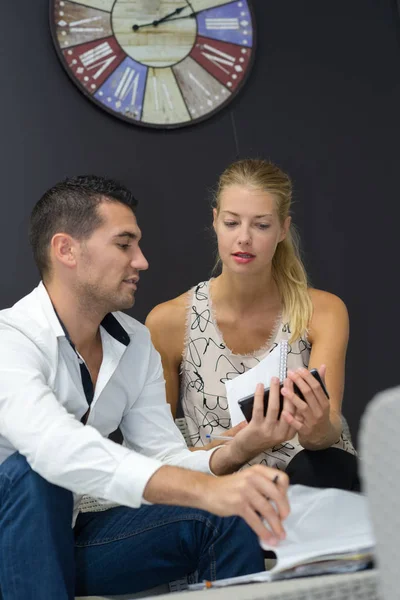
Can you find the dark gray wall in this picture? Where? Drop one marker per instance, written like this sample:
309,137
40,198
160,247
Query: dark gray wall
322,101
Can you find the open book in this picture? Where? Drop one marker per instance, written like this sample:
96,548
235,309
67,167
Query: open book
327,531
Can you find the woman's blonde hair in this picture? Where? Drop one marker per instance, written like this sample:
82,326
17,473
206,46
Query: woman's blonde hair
287,268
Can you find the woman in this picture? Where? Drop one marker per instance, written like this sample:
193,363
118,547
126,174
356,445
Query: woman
225,326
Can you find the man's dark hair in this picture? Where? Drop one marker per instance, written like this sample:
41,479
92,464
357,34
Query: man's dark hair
71,207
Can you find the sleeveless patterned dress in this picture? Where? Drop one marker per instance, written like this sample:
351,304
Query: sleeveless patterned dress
207,363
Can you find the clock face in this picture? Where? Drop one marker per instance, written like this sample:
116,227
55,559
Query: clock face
158,63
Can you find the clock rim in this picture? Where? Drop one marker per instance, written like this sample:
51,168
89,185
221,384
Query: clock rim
164,126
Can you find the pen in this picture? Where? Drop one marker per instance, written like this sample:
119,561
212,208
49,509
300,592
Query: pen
219,437
201,585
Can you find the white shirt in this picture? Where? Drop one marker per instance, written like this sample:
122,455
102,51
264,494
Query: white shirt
42,401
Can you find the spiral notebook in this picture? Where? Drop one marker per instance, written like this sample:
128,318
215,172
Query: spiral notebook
273,365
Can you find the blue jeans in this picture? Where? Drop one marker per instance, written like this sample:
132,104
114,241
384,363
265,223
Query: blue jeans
118,551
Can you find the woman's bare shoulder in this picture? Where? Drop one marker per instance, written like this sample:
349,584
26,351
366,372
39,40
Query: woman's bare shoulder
168,317
326,302
330,316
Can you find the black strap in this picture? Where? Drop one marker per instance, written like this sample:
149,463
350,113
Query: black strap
87,382
115,329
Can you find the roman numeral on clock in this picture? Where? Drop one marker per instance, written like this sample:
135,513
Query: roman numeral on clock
202,91
220,59
129,83
227,62
230,23
124,88
163,99
77,24
100,58
93,62
214,23
161,90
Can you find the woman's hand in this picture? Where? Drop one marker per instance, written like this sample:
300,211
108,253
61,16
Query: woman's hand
264,432
312,417
229,434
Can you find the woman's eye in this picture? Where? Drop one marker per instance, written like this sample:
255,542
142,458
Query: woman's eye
263,225
230,223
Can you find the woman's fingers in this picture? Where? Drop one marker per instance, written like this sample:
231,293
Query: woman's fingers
310,387
314,384
274,400
322,372
288,405
296,423
258,406
289,393
291,418
300,379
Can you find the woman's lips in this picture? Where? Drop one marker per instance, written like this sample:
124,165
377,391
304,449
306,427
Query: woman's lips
243,258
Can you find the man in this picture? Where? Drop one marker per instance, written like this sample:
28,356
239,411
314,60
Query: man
71,372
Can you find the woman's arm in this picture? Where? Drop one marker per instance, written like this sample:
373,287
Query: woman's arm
167,322
328,334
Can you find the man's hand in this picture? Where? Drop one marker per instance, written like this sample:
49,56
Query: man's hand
248,494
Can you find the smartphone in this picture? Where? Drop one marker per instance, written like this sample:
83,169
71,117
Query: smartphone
246,404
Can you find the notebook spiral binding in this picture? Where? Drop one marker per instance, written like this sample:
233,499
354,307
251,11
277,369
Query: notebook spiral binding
284,348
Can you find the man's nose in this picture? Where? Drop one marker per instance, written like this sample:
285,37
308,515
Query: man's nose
139,261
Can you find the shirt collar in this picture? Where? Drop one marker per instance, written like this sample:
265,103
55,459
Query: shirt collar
110,323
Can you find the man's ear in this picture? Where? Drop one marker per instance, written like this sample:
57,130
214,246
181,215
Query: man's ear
64,249
285,228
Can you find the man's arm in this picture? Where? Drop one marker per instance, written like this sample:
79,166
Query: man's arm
148,427
247,494
78,458
56,445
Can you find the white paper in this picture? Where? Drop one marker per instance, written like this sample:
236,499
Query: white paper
321,522
245,384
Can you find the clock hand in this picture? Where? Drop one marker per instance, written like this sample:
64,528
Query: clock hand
167,17
191,16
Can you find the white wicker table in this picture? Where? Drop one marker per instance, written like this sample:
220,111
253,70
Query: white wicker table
363,585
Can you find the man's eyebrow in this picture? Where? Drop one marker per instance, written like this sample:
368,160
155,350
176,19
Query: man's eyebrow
128,234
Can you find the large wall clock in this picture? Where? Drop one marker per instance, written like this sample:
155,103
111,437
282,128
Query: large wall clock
157,63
